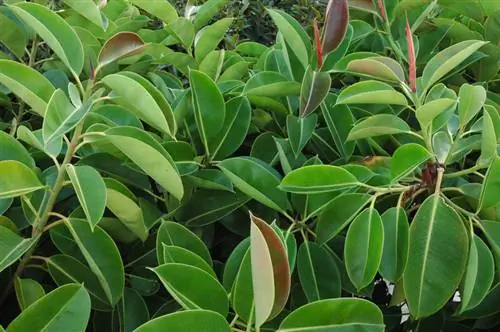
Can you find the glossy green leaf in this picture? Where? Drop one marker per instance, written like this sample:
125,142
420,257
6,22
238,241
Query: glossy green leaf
363,247
478,277
182,30
438,256
28,84
133,310
371,92
242,290
344,314
17,179
149,155
35,139
119,46
176,254
471,100
377,125
189,286
211,179
234,129
447,60
429,111
188,321
378,67
90,190
300,131
161,9
257,180
340,120
12,247
102,256
396,237
54,30
336,22
442,143
171,233
209,37
491,186
270,84
12,36
318,273
406,159
28,291
317,179
488,141
315,87
234,262
271,278
212,64
89,10
66,308
11,149
338,214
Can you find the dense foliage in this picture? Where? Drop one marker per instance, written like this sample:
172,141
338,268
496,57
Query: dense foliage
160,172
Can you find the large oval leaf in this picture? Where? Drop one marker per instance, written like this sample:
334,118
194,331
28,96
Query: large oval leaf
315,179
395,253
371,92
54,30
431,110
189,286
377,125
406,159
188,321
256,179
210,37
17,179
437,259
66,308
471,100
176,254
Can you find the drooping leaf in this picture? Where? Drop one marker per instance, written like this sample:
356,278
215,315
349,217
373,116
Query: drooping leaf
188,321
395,252
377,125
315,87
317,179
17,179
437,257
336,21
371,92
121,45
66,308
406,159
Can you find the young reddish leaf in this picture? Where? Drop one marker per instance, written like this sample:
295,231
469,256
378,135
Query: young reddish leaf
121,45
314,89
381,8
412,63
270,270
336,22
317,42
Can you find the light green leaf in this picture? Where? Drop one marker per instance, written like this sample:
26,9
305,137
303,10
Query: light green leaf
488,141
406,159
12,149
378,67
12,247
90,190
17,179
395,252
438,256
491,186
26,83
188,321
378,125
12,36
471,100
300,131
182,30
54,30
149,155
371,92
89,10
340,121
209,37
431,110
161,9
28,291
316,179
212,64
66,308
176,254
271,84
442,142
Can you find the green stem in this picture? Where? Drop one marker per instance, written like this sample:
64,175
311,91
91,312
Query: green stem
464,172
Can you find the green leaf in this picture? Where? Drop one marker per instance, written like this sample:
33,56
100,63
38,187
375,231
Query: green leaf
242,290
471,100
176,254
13,247
257,180
187,321
270,84
340,120
478,277
102,256
442,142
209,107
119,46
234,129
271,278
12,36
212,64
149,155
396,237
161,9
318,273
182,30
336,22
17,179
293,34
233,264
363,247
123,204
172,233
90,190
54,30
300,131
438,242
338,214
28,291
315,87
447,60
406,159
431,110
189,286
12,149
209,37
378,125
89,10
66,308
317,179
26,83
371,92
133,310
344,314
211,179
66,269
490,188
139,98
488,141
378,67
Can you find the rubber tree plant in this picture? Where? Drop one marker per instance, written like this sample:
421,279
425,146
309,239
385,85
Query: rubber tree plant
151,180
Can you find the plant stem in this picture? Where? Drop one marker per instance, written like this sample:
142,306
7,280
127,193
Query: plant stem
464,172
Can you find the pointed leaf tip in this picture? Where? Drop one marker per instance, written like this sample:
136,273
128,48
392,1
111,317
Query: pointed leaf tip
317,42
121,45
412,63
336,22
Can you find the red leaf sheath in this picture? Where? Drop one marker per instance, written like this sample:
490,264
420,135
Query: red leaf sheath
381,8
317,41
336,22
412,63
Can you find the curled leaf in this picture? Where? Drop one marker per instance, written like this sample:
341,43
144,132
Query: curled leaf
412,63
336,22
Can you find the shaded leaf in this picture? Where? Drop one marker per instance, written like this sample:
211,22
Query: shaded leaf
315,87
28,291
396,237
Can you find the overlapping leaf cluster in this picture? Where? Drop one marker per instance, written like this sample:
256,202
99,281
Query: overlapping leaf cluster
151,179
